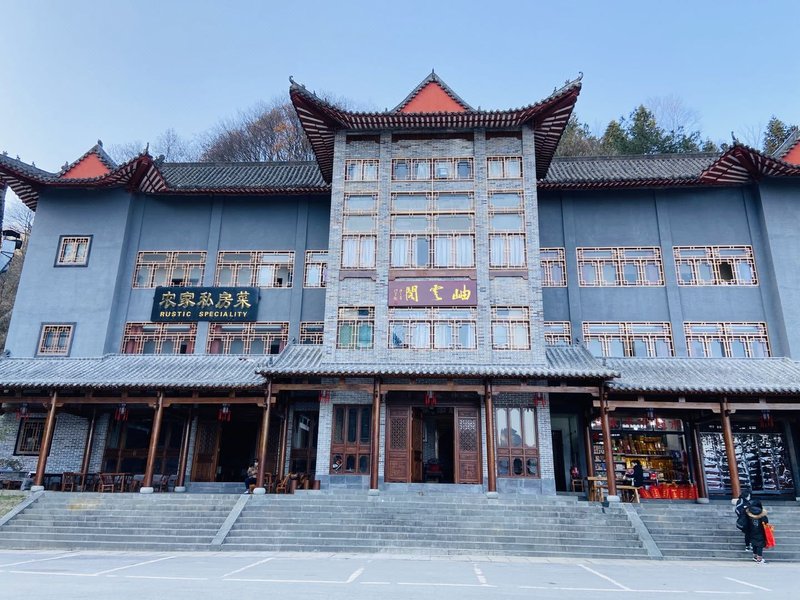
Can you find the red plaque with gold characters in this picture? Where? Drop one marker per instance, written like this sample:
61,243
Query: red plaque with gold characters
433,292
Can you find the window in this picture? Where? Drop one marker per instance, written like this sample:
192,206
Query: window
517,454
256,269
29,436
504,167
73,251
506,231
247,338
727,340
715,265
355,328
359,231
426,169
316,273
311,332
511,328
159,338
554,267
55,339
641,340
350,440
436,328
602,267
361,170
557,333
432,231
168,268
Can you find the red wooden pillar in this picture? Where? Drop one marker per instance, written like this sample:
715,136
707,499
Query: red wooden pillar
87,449
180,483
609,453
44,448
697,458
490,449
374,453
262,442
587,442
147,482
284,435
727,435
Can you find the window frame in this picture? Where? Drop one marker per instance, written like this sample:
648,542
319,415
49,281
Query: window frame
309,336
437,321
559,334
62,242
313,258
511,452
726,334
360,165
356,322
225,334
547,263
506,235
162,332
452,161
38,435
256,261
358,449
712,257
171,265
510,322
504,161
628,333
619,259
363,261
58,349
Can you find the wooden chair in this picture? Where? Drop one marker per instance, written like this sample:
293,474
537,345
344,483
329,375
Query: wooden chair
70,481
578,485
160,483
283,485
106,482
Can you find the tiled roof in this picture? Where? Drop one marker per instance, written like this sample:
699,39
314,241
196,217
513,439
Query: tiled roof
787,145
599,169
131,371
706,375
241,176
562,361
432,78
98,151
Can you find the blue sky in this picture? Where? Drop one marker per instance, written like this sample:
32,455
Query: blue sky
73,72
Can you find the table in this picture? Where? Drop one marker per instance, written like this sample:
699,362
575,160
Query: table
598,486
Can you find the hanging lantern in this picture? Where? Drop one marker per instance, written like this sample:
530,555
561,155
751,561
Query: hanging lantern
22,411
224,414
324,396
121,413
430,399
651,418
766,420
538,400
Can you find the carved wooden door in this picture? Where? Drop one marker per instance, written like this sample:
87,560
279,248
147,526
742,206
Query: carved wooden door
468,446
416,445
206,451
398,421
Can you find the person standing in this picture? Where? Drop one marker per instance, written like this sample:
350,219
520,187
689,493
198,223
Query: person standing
252,475
742,504
757,518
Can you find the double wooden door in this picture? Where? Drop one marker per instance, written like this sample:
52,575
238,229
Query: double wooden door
404,445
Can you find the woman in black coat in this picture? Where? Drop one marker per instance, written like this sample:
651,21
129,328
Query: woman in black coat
756,519
742,504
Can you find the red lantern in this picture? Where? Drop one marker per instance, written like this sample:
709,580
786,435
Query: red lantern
121,413
539,400
766,420
324,396
430,399
22,411
224,414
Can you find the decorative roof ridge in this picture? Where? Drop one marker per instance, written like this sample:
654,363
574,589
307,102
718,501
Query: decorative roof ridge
217,163
97,150
433,78
615,157
22,165
788,144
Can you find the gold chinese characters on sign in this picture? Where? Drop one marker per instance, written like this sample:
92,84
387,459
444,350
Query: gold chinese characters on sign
181,304
433,292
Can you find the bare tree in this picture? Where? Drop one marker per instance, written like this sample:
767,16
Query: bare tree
19,218
169,144
672,114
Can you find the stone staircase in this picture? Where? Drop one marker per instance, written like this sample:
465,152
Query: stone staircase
703,531
118,521
434,524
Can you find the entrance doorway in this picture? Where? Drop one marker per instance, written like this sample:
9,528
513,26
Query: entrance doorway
224,450
438,444
558,460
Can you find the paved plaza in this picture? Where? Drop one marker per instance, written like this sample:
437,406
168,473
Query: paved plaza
129,575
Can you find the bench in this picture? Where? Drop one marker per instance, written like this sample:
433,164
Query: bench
15,480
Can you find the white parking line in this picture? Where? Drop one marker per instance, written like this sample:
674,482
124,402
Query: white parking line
428,583
479,574
305,581
147,562
25,562
606,577
50,573
355,575
255,564
164,577
752,585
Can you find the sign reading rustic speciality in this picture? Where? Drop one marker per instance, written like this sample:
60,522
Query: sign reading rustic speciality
433,292
179,304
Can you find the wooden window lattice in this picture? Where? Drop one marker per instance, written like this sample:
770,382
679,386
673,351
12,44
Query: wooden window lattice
715,265
727,339
620,266
159,338
312,332
73,250
168,268
637,339
511,327
247,338
271,269
55,340
554,267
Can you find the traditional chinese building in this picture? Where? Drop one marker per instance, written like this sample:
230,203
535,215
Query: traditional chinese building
435,301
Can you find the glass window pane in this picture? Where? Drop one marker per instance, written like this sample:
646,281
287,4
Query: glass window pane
640,348
359,204
506,201
609,274
338,424
502,467
410,203
501,425
717,348
704,272
532,467
464,169
529,430
758,349
506,222
423,170
500,335
352,424
365,335
443,169
364,429
697,349
495,167
588,274
401,170
662,348
745,273
595,347
685,273
616,348
370,171
517,466
363,464
738,349
515,427
630,273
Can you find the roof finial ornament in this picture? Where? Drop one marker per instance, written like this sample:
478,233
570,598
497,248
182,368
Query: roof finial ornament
733,137
100,143
291,79
580,75
147,148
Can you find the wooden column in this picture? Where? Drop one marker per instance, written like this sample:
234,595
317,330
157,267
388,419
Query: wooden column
184,458
47,440
87,449
490,449
727,435
587,442
262,442
375,442
609,453
697,458
147,482
282,451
